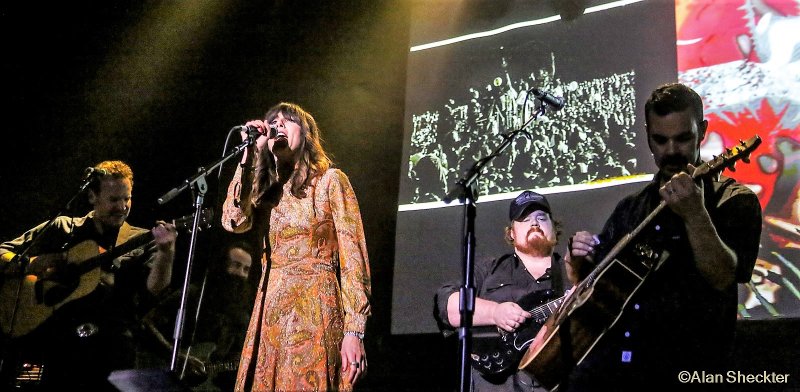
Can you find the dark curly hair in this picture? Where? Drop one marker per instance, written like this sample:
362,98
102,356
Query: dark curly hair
673,97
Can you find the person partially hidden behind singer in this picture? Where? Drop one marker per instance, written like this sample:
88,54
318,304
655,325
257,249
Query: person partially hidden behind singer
90,334
683,316
215,331
532,274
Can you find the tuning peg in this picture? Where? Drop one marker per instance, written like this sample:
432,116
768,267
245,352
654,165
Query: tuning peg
732,166
714,158
746,158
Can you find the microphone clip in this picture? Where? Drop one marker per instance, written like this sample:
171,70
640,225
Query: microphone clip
90,172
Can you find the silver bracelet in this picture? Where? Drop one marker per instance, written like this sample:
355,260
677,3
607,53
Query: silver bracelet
359,335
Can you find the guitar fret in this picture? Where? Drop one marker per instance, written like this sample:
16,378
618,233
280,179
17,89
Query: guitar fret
544,311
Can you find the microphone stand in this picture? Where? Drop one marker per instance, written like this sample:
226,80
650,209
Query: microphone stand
23,260
199,188
465,191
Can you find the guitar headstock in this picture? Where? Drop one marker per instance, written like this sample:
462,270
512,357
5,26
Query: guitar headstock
729,157
185,222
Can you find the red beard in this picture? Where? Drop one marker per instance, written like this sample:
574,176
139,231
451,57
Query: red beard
538,246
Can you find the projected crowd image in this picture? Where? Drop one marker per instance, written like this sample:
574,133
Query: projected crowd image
746,65
578,144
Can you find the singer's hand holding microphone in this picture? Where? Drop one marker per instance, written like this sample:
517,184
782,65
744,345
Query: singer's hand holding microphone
257,128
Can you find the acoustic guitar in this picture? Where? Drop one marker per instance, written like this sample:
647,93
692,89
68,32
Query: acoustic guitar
39,297
595,305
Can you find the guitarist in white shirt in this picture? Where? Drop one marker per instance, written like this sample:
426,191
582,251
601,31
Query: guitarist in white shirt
531,271
86,333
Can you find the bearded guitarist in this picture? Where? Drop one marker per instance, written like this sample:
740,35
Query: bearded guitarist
531,271
85,313
682,318
218,311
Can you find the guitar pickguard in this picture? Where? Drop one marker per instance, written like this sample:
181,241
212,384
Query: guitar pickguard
495,351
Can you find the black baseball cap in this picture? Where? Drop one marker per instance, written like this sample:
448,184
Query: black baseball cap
526,200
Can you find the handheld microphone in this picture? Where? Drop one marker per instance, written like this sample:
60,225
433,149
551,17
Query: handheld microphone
556,103
255,132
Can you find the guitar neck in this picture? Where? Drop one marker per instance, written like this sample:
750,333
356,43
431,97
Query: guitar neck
624,242
544,311
105,258
214,368
142,240
711,167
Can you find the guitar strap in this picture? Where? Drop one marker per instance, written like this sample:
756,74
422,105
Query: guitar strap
721,183
126,232
557,274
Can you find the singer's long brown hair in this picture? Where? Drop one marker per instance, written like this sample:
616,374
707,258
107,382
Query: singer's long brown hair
313,160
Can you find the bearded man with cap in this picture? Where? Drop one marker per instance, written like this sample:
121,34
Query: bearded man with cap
531,269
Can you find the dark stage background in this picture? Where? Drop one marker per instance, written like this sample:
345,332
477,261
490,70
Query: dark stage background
159,84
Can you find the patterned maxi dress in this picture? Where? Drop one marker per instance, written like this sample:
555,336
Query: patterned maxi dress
300,315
